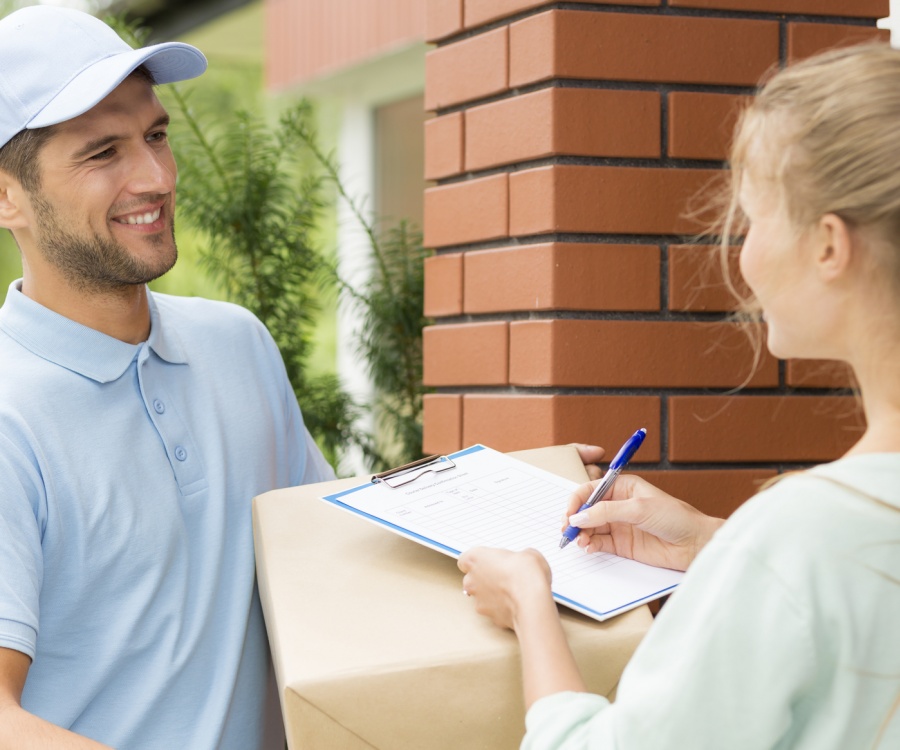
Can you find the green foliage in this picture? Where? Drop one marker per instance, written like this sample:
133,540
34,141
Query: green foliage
248,206
391,340
256,196
247,189
10,262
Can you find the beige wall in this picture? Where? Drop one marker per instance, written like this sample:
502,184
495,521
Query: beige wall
306,39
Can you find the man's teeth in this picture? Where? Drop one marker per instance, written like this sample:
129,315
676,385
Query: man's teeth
147,218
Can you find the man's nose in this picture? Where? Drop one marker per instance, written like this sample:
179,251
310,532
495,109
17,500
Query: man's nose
152,171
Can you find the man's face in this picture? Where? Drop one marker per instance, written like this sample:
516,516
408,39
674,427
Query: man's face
104,213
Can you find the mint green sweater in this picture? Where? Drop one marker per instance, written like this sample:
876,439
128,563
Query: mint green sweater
784,634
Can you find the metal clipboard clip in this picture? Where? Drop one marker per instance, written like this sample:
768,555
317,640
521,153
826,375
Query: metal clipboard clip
410,472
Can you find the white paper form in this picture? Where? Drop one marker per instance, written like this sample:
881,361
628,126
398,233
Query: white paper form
495,500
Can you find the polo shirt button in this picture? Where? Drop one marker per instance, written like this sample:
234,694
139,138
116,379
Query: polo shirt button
159,406
180,453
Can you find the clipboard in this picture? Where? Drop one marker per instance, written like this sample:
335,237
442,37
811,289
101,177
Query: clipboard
481,497
365,626
410,472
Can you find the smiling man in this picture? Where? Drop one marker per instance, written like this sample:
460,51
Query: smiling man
99,223
134,427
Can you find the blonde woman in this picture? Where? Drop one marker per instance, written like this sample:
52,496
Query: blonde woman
786,630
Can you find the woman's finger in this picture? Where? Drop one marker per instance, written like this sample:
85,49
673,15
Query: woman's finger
610,511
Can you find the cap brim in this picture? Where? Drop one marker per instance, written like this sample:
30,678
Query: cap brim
168,62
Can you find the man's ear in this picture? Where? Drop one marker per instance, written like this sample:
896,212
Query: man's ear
835,247
12,201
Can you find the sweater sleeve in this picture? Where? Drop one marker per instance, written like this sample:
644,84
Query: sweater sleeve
724,662
562,720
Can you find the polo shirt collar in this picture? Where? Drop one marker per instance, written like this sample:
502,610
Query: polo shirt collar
164,338
76,347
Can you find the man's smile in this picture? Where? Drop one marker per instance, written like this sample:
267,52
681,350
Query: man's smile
147,218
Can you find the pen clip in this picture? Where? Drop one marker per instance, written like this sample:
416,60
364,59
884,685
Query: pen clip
410,472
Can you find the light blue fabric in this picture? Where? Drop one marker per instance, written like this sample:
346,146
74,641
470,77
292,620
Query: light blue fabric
126,548
784,633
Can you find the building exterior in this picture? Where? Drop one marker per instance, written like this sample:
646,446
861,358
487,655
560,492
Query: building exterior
363,63
565,145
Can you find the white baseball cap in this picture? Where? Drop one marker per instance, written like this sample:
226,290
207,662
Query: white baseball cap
57,63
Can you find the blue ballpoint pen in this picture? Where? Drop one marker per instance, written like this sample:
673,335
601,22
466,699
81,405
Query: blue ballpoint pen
612,473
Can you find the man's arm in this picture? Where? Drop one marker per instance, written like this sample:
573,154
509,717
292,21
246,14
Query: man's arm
20,730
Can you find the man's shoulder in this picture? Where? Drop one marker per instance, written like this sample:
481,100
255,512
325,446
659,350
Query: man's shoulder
207,319
15,360
220,333
203,311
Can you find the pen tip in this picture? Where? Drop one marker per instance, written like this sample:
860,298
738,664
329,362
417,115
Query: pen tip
563,542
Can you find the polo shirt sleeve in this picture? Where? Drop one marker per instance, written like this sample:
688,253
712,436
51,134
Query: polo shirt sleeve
721,667
22,504
307,464
315,467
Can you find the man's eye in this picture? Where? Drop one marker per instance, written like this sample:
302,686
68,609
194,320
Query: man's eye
105,154
158,137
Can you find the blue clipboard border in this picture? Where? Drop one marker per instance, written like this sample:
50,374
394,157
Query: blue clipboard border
335,499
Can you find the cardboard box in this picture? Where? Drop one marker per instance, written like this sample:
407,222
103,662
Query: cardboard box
374,644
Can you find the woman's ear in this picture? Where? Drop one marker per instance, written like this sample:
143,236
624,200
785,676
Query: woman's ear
835,246
12,200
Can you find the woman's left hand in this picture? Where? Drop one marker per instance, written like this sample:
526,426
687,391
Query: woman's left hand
513,590
505,583
590,455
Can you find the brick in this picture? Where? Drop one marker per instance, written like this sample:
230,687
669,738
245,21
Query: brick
467,70
483,11
849,8
761,428
466,354
558,121
444,285
716,492
818,373
615,200
701,126
509,423
806,39
443,18
479,12
444,146
696,283
470,211
562,276
641,47
441,422
635,354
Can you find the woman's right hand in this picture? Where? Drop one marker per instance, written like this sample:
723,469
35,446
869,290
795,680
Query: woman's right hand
641,522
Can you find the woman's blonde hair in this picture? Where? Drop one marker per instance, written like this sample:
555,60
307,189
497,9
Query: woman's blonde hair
825,134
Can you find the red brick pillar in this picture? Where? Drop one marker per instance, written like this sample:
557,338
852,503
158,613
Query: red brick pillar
567,145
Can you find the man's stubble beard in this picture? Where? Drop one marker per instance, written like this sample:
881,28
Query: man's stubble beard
94,264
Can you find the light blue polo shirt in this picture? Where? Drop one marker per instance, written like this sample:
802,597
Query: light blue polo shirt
126,547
